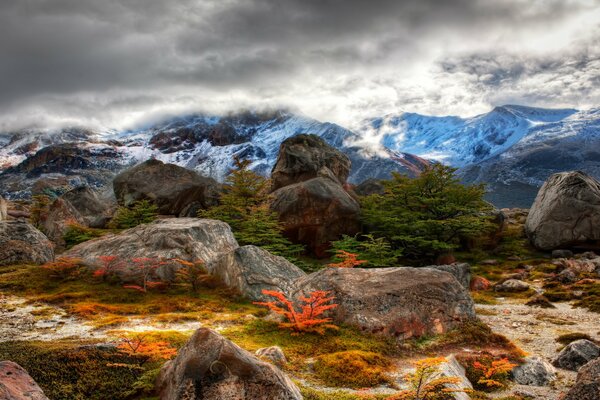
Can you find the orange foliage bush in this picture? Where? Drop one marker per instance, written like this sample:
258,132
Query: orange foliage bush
309,319
146,269
153,351
348,260
493,374
65,268
426,384
192,273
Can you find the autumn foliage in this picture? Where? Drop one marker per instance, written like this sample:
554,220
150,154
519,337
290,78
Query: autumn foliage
492,374
153,351
426,383
64,268
348,260
309,318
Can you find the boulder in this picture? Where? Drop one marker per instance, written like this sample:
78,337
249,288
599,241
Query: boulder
534,372
210,367
576,354
451,368
587,385
512,285
315,212
16,384
273,354
398,302
60,215
3,209
250,270
304,157
21,243
479,283
566,212
461,271
189,239
172,188
95,208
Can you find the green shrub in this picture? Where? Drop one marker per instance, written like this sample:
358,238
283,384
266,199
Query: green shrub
428,215
376,251
75,234
142,212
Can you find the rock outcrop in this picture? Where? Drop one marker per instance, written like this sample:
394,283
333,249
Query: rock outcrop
397,302
3,209
461,271
21,243
304,157
587,385
189,239
16,384
250,270
566,212
210,367
534,372
172,188
576,354
315,212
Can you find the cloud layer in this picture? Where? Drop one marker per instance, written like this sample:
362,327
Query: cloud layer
116,63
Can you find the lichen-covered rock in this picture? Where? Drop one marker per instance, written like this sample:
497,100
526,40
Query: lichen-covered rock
534,372
566,212
576,354
60,215
16,384
21,243
587,385
189,239
250,270
302,157
512,285
94,208
451,368
315,212
273,354
461,271
479,283
172,188
211,367
397,302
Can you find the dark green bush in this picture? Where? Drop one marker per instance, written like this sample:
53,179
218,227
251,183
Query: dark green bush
141,212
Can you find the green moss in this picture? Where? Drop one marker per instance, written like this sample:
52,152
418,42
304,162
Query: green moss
313,394
66,370
571,337
355,369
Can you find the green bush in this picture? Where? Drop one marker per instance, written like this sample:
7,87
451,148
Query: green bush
429,215
141,212
376,251
76,234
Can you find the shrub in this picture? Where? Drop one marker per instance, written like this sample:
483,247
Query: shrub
39,210
145,270
429,215
377,252
142,212
487,372
75,234
346,260
355,369
192,274
110,266
65,268
309,319
146,350
426,384
571,337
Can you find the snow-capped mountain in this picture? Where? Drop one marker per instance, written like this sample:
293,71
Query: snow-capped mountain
512,148
204,143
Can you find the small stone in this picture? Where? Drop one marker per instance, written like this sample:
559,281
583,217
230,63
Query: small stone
567,276
512,285
562,253
273,354
489,262
541,301
576,354
534,372
479,283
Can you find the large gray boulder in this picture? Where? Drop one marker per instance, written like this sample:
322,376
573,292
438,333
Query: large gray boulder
534,371
315,212
190,239
566,212
211,367
175,190
397,302
461,271
21,243
587,385
17,384
3,209
304,157
250,270
576,354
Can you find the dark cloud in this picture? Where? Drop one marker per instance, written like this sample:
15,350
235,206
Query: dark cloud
109,62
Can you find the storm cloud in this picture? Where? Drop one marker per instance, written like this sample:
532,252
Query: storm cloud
117,63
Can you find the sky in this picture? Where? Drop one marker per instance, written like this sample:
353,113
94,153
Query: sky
120,63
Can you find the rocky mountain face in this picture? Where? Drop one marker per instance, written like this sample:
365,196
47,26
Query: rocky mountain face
513,149
32,161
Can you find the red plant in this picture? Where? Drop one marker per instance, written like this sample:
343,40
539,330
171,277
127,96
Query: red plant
493,374
110,265
348,260
139,346
146,269
306,320
64,268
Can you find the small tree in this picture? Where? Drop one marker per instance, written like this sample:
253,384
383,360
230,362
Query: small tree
142,212
191,273
244,205
38,213
428,215
65,268
309,319
138,346
426,383
110,266
146,269
347,260
377,252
